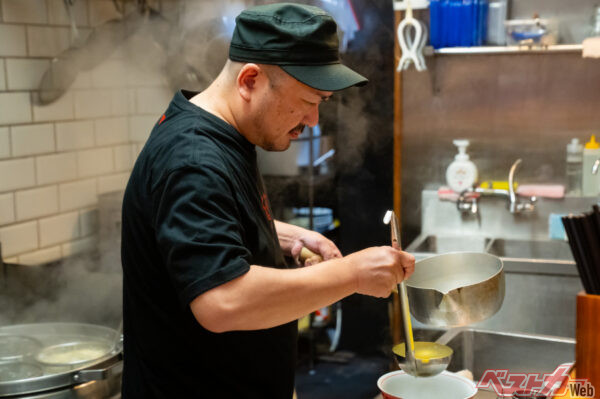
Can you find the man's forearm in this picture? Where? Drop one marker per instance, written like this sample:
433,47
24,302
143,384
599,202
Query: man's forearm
266,297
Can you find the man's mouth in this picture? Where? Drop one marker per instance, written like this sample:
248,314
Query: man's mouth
297,131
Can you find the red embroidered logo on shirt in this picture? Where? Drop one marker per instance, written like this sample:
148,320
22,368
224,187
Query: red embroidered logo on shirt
162,118
265,206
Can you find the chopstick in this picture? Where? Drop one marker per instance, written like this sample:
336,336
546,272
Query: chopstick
583,232
573,243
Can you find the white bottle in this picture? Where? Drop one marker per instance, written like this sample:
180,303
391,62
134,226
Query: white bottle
574,167
591,182
462,173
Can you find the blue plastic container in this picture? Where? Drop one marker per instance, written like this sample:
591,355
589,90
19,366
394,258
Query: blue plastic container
458,22
435,23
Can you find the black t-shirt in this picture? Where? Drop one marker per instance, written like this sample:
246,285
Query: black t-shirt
195,215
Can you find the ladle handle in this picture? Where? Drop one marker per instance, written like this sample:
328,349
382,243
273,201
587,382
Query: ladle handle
407,323
404,306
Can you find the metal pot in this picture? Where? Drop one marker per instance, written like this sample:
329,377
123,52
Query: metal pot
456,289
36,375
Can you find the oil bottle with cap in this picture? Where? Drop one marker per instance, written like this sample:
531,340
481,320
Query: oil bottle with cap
590,182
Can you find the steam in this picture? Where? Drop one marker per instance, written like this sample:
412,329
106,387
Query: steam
67,292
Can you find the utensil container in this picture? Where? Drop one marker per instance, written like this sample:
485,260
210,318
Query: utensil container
587,335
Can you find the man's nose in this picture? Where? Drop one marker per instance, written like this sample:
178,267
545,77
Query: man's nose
312,117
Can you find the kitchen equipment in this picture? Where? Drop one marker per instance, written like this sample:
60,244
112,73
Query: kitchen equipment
535,31
47,377
399,385
17,348
432,358
456,289
412,47
70,355
420,359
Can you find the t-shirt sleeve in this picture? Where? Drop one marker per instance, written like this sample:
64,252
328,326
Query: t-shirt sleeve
198,231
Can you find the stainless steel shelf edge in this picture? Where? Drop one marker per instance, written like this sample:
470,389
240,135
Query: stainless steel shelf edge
482,50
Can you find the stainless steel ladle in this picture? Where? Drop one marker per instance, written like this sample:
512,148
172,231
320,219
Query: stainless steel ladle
438,356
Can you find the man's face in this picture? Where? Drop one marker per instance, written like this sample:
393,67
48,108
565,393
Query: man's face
284,108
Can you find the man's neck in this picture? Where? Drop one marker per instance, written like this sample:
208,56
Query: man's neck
214,101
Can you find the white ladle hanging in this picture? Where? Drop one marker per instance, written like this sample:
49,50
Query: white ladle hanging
412,47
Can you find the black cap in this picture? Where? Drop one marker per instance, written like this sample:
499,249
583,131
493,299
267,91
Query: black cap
301,39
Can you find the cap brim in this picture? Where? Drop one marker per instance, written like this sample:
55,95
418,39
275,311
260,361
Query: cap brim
330,77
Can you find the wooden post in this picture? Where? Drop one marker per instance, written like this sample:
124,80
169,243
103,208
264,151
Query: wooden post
395,319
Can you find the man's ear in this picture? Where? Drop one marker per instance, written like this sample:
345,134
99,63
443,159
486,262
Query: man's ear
247,80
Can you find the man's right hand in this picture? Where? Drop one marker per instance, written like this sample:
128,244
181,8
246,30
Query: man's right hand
380,269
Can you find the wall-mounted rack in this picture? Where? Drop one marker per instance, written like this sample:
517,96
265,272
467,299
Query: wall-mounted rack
558,48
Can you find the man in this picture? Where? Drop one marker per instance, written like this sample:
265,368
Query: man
210,305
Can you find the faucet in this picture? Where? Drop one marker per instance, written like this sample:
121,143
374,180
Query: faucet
467,200
514,205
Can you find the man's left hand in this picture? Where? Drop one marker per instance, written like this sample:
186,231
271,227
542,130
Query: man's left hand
293,239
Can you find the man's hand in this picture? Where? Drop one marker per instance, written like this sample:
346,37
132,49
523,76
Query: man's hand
379,269
293,238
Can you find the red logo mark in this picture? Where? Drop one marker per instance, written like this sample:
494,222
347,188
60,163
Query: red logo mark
265,206
555,384
162,118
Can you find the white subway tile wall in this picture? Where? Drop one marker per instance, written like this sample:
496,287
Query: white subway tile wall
153,101
19,238
28,11
111,73
93,103
24,73
55,159
112,131
56,168
95,162
32,139
15,108
74,135
60,110
7,208
88,219
80,194
140,127
4,143
59,229
117,182
123,157
2,77
36,202
45,41
16,173
13,41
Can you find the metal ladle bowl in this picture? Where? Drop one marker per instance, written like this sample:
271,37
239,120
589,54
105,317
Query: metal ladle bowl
428,367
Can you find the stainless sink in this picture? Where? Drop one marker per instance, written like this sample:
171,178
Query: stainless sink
553,250
481,350
434,244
